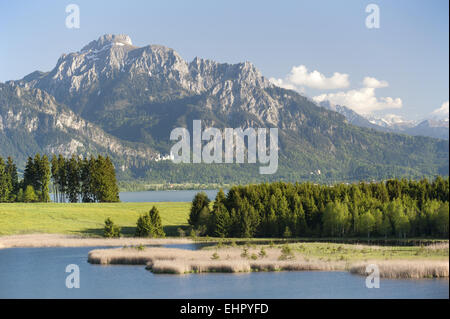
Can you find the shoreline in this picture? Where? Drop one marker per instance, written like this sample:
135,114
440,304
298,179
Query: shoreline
58,240
227,259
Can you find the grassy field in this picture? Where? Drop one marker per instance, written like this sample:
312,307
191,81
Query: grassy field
85,219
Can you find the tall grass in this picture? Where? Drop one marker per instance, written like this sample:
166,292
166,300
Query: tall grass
405,269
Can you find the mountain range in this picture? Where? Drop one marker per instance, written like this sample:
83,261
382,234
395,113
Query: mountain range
432,127
122,100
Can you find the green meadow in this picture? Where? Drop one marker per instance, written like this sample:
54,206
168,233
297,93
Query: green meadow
85,219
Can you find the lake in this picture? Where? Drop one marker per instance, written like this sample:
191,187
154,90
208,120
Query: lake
162,196
40,273
165,196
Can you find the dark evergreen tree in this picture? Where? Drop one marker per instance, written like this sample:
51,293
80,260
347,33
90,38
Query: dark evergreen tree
73,179
199,203
5,183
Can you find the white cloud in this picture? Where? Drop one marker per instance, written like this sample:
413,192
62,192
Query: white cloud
300,77
442,111
363,100
283,84
370,82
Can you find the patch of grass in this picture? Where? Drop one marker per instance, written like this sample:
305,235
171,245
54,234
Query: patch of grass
85,219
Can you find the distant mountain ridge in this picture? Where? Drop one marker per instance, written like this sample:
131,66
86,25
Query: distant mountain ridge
137,95
437,128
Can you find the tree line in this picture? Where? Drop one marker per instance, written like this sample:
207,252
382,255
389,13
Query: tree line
71,179
393,208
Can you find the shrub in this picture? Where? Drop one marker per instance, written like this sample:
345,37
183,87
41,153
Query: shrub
286,253
111,230
192,233
287,232
215,256
262,253
244,252
149,225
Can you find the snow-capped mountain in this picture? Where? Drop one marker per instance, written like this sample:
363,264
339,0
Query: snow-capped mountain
437,127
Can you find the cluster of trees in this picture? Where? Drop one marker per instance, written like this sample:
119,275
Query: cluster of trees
9,182
34,187
148,225
399,208
81,179
71,179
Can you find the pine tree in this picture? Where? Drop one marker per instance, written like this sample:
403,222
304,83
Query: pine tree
43,177
87,191
199,202
150,225
299,216
73,179
220,218
62,177
5,183
104,181
11,170
55,177
30,174
155,220
112,188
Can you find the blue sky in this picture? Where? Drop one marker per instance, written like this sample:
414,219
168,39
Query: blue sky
408,55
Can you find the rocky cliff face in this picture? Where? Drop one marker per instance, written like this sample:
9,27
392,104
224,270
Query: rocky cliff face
33,119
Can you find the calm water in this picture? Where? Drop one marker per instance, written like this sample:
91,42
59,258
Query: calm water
164,196
40,273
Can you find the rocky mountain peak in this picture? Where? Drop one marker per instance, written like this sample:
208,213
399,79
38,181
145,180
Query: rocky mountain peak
153,67
108,40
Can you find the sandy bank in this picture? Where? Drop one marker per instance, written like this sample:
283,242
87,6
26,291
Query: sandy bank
55,240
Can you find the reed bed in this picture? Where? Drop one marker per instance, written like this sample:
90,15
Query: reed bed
231,260
198,266
134,256
237,260
405,269
438,246
54,240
